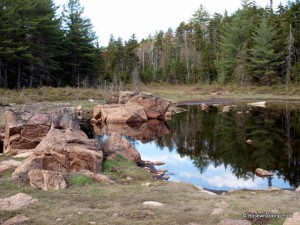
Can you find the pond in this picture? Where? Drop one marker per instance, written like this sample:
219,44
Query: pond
209,147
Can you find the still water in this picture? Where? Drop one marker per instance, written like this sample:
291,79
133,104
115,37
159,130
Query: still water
208,147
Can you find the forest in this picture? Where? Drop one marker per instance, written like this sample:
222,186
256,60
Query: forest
252,46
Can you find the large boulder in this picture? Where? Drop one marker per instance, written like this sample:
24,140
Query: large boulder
144,131
64,151
155,107
26,128
116,145
120,113
46,180
16,202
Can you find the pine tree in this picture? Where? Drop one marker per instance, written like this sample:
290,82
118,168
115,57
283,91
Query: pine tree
80,61
264,61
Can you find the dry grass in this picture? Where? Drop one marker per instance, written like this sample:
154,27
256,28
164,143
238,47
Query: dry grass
122,204
200,92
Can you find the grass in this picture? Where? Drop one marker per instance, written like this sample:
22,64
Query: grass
80,180
122,203
123,170
77,96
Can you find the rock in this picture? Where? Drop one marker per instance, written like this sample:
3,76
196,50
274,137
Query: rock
203,106
144,131
208,192
258,104
24,130
147,184
17,220
16,202
273,189
217,212
93,121
92,222
119,113
263,173
118,145
23,154
96,176
12,163
154,107
168,115
193,223
124,96
249,142
91,100
158,163
46,180
5,169
295,220
69,151
153,203
234,222
226,108
298,189
65,149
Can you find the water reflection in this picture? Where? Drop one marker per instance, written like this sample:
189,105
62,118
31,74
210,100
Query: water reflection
144,131
209,147
212,139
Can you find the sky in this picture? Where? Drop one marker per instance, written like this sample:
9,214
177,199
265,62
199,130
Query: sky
122,18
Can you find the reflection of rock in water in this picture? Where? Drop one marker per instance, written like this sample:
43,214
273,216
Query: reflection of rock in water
157,174
144,132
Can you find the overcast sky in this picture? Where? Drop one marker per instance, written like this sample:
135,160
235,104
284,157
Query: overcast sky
122,18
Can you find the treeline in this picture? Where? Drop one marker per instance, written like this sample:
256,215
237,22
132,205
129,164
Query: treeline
38,47
254,45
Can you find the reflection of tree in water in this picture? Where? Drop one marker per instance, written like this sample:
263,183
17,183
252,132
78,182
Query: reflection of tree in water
211,137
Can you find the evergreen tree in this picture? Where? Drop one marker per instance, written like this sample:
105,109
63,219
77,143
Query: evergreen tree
80,61
264,61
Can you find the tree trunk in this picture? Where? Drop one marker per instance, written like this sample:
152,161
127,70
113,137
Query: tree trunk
19,76
5,75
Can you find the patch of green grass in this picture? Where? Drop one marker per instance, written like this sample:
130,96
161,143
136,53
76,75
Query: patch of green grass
80,180
6,185
120,169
